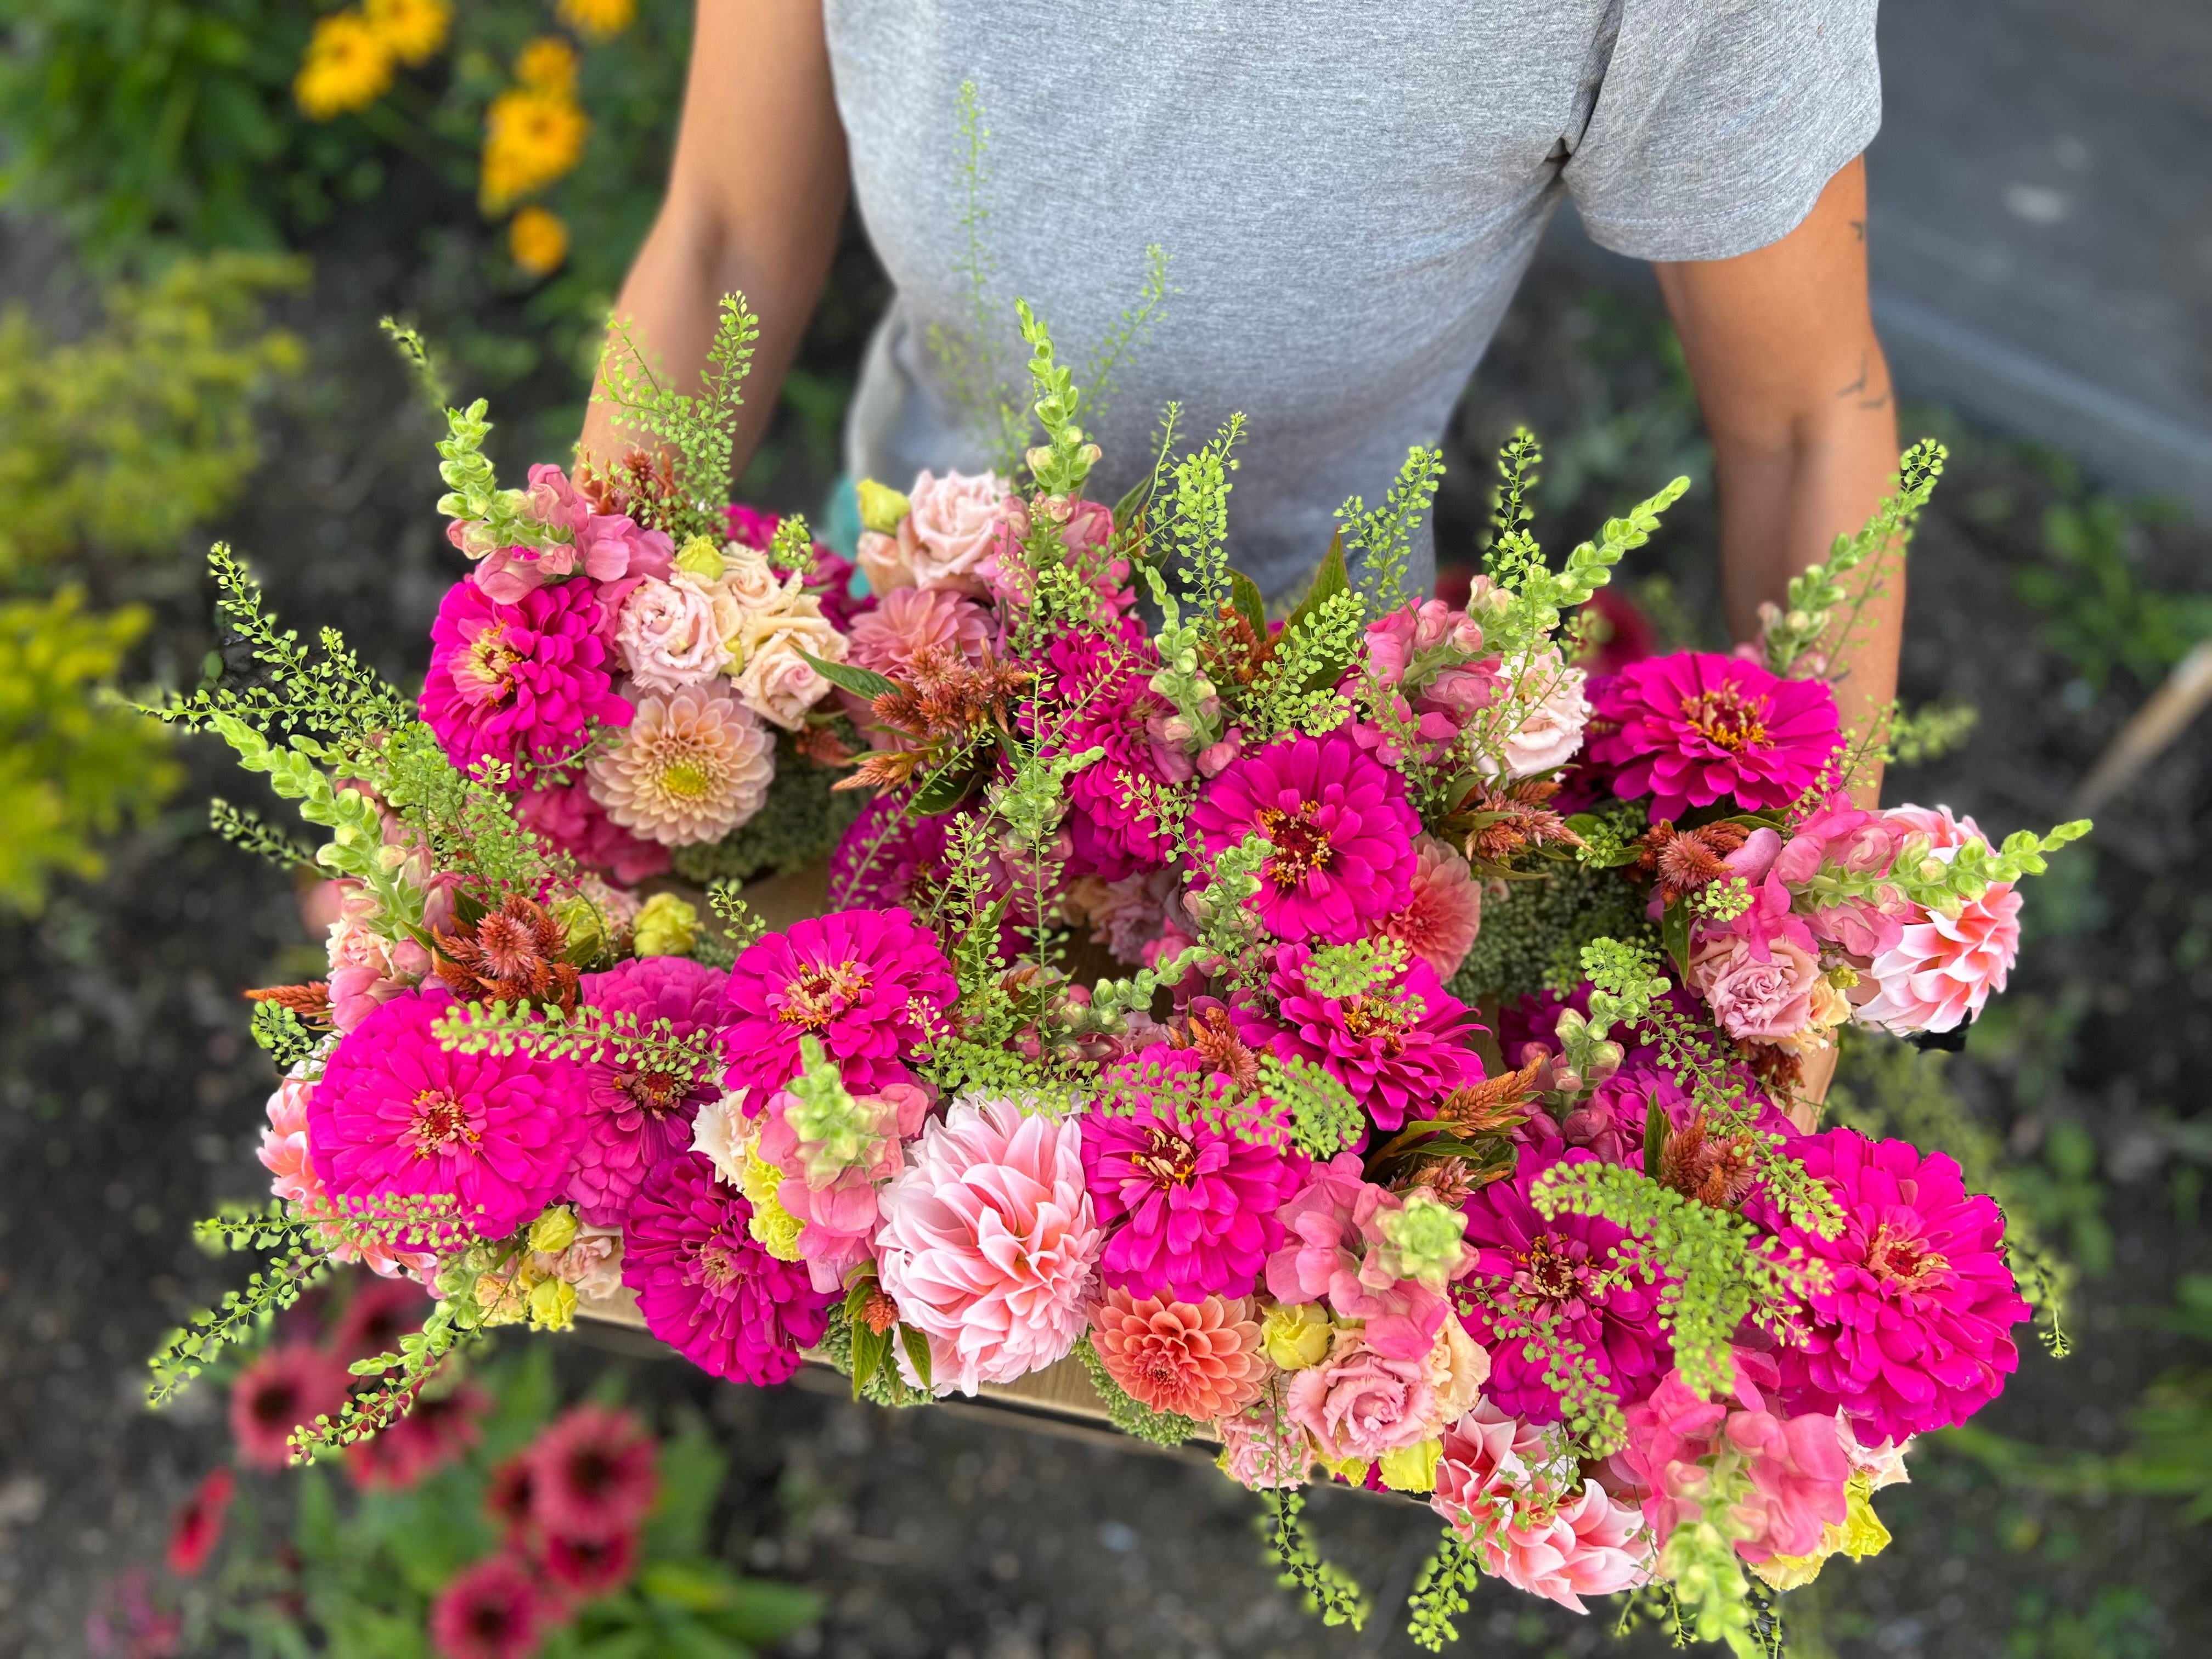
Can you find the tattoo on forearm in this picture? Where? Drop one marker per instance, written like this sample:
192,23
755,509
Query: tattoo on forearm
1858,388
1858,228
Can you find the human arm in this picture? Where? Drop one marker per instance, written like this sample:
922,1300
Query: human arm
1796,397
756,195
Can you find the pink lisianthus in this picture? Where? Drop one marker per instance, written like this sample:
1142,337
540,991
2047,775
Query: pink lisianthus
1334,1251
951,523
1400,1045
1536,1284
1797,1465
864,981
1556,712
1189,1207
1340,828
518,682
832,1189
1911,1331
567,817
1360,1402
1128,914
1942,969
1695,727
1515,1492
908,620
1443,913
1200,1360
989,1243
1756,1001
667,636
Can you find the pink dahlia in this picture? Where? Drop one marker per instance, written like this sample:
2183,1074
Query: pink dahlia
1696,728
886,855
1360,1402
635,1115
1341,829
593,1474
989,1243
518,682
1400,1047
1911,1332
1336,1249
287,1387
864,981
1442,913
397,1115
568,819
1198,1360
1515,1492
436,1431
495,1609
706,1286
1102,682
1942,969
1190,1207
1538,1286
909,620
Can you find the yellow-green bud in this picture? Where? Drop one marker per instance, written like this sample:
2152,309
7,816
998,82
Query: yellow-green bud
1413,1468
552,1305
583,926
1296,1336
881,508
703,559
554,1231
1352,1470
666,927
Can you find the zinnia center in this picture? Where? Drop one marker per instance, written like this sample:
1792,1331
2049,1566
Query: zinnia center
486,671
657,1091
1896,1258
718,1265
1301,845
822,992
1548,1273
441,1124
1726,718
1168,1158
1374,1017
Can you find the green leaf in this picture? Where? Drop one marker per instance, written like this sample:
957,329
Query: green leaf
315,1534
1655,1136
691,1471
767,1610
870,1350
1674,935
1132,499
1244,594
632,1643
858,681
947,787
1330,578
917,1351
695,1584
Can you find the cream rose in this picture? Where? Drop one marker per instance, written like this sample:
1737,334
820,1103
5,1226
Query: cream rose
952,524
884,561
772,679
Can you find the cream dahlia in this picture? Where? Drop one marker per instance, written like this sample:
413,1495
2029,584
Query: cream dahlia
692,766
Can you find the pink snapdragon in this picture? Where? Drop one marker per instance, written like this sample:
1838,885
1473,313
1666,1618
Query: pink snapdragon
831,1184
1942,969
1335,1250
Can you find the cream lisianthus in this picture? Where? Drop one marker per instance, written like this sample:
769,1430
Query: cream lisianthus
772,679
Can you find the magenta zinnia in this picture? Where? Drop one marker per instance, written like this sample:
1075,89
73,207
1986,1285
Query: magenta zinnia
518,682
1188,1206
1103,683
861,981
1340,827
635,1115
1697,727
1911,1332
397,1115
706,1286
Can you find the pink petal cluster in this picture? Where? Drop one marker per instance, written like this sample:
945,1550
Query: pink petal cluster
634,1116
1261,1449
989,1243
706,1287
1361,1401
1911,1331
1334,1251
606,546
1696,728
910,620
1190,1207
518,682
667,636
1842,839
1939,972
1755,998
1400,1047
1341,829
366,969
396,1113
1200,1360
951,523
836,1200
1513,1490
861,981
1442,913
1797,1465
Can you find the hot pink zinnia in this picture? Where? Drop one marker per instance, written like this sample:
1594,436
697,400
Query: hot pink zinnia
634,1116
397,1113
1400,1047
1102,682
495,1609
706,1286
284,1154
988,1242
1340,826
518,682
1200,1360
1190,1207
1514,1491
861,981
1540,1285
1942,969
886,855
289,1385
1910,1333
1695,727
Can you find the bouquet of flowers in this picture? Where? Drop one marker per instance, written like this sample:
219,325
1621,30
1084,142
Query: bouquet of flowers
1438,1125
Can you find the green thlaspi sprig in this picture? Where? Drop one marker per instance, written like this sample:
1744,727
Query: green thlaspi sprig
1383,538
791,549
1064,459
299,1261
1440,1593
1343,971
603,1036
1944,886
1329,1590
1808,636
835,1132
696,431
1179,679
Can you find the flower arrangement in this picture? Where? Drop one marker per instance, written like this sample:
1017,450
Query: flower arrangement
1547,1237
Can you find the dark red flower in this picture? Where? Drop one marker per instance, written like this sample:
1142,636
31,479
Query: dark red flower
283,1389
198,1527
585,1567
593,1475
382,1312
508,1497
495,1609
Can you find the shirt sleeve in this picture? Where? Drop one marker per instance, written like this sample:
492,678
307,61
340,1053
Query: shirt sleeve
1718,122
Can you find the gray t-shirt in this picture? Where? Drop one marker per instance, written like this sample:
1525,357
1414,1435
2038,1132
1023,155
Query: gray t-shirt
1349,191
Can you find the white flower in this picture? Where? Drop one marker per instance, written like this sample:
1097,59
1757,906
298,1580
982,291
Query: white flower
774,681
1551,731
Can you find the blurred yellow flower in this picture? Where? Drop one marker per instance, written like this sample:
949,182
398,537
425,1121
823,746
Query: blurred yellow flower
413,29
548,64
530,138
600,18
538,240
347,66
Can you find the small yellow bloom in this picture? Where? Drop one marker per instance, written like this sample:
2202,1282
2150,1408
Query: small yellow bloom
599,19
700,557
412,29
539,241
548,64
552,1305
666,927
554,1231
348,66
504,1298
530,138
881,508
1860,1536
775,1229
1296,1335
1413,1468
